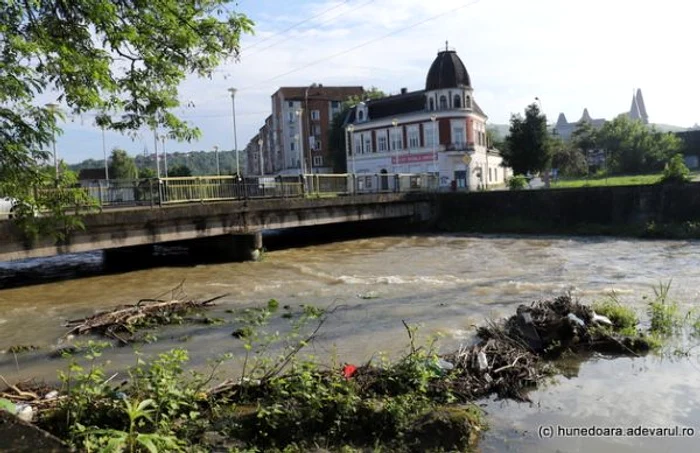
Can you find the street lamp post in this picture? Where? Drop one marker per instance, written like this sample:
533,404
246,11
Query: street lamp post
54,108
300,143
348,145
155,147
435,157
260,151
165,156
216,154
235,135
104,153
395,123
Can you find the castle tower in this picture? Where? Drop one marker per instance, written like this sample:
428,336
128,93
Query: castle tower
638,110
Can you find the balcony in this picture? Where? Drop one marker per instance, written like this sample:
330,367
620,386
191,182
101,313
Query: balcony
468,146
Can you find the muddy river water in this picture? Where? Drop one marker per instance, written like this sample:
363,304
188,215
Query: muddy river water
446,283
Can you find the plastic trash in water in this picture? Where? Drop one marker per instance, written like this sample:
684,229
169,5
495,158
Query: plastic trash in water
52,395
575,319
601,319
445,365
24,412
349,371
483,361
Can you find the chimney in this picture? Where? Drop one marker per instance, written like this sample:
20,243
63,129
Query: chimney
404,90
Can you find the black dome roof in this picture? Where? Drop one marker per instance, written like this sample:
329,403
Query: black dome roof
447,71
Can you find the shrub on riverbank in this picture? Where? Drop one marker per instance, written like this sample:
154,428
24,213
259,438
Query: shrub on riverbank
422,401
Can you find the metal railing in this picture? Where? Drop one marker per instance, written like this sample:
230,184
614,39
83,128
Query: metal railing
163,191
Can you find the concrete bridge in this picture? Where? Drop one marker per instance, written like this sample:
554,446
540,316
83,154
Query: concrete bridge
235,225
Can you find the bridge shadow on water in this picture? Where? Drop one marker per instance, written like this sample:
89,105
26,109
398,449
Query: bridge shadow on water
184,254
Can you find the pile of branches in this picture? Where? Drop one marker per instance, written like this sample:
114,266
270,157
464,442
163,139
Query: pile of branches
122,322
553,327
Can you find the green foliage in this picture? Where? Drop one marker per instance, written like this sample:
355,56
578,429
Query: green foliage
51,207
676,172
7,405
336,133
147,173
664,314
585,137
624,318
114,440
122,166
570,160
106,55
179,170
632,147
517,182
528,143
159,404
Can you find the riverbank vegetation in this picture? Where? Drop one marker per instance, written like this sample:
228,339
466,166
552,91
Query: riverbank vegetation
284,400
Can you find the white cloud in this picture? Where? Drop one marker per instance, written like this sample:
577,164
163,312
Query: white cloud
570,54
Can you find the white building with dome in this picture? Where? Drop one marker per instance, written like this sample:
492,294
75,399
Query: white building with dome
440,129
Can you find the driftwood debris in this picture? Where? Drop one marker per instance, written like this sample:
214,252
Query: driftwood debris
122,322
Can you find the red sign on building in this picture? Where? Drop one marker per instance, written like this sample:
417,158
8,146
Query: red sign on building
414,158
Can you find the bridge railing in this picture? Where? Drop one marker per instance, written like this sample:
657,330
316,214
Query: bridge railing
155,192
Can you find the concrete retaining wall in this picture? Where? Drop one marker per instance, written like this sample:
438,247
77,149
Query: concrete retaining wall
598,210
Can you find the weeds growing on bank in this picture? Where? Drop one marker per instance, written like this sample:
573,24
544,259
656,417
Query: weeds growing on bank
284,401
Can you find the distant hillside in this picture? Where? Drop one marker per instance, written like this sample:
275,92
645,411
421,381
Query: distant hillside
201,163
500,130
669,128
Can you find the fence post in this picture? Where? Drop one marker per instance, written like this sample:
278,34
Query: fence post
302,181
160,193
150,190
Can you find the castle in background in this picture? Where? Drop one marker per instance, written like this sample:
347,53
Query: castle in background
638,111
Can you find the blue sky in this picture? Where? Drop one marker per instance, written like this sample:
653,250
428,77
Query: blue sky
570,54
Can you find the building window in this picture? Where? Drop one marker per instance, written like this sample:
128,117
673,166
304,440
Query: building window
490,174
368,182
318,161
361,115
358,146
432,104
430,134
468,102
315,115
290,116
290,104
291,146
443,102
368,143
381,143
458,136
396,139
316,129
335,105
457,103
413,138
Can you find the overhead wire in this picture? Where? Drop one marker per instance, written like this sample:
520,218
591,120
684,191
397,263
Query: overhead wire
364,44
308,19
320,23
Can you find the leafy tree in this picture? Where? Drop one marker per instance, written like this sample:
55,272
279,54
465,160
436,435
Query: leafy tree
632,147
122,166
568,159
179,171
528,146
676,171
147,173
336,134
121,56
517,182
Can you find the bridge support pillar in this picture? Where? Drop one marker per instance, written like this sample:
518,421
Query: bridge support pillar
253,246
